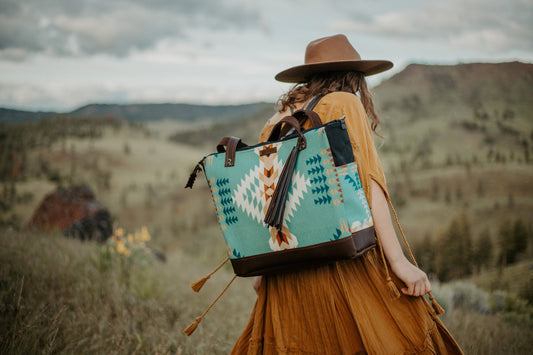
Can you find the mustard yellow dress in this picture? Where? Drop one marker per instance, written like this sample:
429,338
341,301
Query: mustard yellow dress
344,307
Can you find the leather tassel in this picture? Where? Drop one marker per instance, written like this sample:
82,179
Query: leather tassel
197,285
437,307
276,209
192,327
193,175
395,294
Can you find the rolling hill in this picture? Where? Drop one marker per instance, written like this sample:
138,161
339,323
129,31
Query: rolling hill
143,112
455,137
468,110
433,114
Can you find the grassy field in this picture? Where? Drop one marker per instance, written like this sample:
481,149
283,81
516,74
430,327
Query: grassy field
61,295
65,296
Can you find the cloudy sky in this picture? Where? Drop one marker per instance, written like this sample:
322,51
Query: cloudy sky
61,54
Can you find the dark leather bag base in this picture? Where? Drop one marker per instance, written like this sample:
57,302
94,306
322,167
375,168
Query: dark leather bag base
304,257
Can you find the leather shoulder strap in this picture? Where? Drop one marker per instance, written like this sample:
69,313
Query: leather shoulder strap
315,101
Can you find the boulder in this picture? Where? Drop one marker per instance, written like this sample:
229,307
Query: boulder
76,212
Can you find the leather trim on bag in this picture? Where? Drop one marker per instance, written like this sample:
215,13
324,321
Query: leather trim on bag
293,259
231,144
268,151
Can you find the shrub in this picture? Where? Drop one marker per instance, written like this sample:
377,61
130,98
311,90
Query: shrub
463,295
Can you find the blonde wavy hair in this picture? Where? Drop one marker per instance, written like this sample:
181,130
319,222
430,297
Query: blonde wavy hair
324,83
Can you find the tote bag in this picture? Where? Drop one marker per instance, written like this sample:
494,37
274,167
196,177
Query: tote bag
289,203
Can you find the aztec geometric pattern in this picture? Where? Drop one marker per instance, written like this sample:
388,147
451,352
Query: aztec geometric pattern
357,205
325,202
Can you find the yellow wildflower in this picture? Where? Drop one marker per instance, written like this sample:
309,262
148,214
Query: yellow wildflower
121,248
145,236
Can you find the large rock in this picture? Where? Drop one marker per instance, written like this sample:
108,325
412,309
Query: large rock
76,212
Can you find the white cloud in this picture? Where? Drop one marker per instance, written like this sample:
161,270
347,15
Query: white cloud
484,25
88,27
53,97
59,54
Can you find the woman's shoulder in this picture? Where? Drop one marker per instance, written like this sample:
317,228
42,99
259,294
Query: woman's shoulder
340,98
331,105
337,104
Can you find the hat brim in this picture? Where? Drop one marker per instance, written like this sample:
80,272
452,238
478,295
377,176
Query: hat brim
303,72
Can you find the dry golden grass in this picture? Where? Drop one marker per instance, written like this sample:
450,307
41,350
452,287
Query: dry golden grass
480,334
64,296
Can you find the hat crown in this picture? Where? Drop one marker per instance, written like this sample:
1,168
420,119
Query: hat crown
330,49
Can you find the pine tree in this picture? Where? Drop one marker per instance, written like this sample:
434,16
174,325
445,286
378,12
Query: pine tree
466,249
520,236
513,240
446,260
483,251
454,257
506,243
424,251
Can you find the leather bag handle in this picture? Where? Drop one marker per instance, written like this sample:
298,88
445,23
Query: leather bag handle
293,122
276,209
308,115
302,116
229,145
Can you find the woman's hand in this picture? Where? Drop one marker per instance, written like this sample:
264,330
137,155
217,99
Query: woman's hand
257,283
415,280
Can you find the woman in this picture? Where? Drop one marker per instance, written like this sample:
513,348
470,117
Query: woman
345,307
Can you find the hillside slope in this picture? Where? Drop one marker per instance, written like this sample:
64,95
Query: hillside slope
483,105
436,113
144,112
182,112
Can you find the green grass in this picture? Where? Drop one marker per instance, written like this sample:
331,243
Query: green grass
516,278
58,297
64,296
480,334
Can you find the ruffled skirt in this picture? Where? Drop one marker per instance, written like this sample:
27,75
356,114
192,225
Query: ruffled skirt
341,308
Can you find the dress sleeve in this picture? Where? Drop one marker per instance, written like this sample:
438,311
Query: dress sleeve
338,104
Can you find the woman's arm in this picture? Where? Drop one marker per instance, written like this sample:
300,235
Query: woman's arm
416,281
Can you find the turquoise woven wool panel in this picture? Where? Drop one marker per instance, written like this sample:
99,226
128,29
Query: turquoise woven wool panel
324,203
355,202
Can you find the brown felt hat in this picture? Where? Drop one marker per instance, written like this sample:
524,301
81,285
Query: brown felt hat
333,53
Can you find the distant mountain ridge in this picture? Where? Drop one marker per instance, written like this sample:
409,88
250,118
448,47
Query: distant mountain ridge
417,91
436,89
186,112
10,115
145,112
